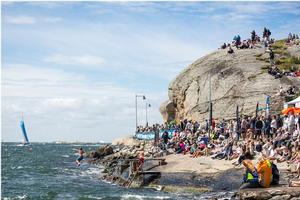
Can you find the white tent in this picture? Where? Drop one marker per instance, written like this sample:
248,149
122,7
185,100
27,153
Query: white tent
293,103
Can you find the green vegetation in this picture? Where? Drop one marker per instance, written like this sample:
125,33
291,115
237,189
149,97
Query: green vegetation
282,52
264,68
283,59
288,63
279,44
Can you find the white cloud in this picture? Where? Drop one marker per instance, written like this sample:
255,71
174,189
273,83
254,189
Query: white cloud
67,106
52,19
86,60
29,20
20,19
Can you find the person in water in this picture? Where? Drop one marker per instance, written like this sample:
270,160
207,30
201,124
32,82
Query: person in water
80,157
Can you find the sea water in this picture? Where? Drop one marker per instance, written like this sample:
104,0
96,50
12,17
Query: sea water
48,171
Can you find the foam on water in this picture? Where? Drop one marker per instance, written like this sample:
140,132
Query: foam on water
142,197
93,197
19,197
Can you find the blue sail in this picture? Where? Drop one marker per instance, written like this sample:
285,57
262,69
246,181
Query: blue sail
22,124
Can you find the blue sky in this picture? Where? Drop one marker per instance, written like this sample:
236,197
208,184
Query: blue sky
73,68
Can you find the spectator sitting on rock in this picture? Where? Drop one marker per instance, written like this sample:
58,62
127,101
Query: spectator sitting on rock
291,90
224,46
230,50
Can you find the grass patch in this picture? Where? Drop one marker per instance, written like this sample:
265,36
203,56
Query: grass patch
281,52
287,63
264,69
279,44
283,60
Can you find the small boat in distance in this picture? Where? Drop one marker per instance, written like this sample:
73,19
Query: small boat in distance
22,125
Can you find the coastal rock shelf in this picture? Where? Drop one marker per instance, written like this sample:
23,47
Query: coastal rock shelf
216,178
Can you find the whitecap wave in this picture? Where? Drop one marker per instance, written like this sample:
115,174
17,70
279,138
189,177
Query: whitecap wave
19,197
93,197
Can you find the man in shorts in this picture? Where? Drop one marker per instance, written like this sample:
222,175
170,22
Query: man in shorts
80,157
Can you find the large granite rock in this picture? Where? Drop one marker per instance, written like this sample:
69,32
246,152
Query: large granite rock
237,79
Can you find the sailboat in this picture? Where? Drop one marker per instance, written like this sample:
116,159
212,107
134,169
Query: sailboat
22,125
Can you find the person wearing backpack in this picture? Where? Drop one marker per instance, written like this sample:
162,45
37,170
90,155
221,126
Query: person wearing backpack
275,174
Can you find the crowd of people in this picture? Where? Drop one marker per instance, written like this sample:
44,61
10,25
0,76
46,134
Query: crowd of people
274,70
249,43
267,42
272,139
290,91
292,38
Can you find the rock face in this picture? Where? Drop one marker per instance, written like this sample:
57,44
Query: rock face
275,193
236,79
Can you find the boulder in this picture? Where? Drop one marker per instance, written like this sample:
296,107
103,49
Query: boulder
103,151
167,110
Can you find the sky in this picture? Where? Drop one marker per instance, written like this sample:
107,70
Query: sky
73,68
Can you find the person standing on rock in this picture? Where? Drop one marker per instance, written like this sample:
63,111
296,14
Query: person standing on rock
165,138
206,125
141,160
258,127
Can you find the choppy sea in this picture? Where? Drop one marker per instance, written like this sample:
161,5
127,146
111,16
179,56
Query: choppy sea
48,171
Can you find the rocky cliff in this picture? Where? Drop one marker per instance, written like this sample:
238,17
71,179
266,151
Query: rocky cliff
240,79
